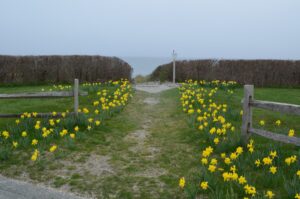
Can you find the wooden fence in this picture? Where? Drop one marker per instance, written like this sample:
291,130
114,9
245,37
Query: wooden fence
250,102
55,94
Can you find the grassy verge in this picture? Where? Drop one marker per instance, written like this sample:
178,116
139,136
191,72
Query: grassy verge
142,151
228,166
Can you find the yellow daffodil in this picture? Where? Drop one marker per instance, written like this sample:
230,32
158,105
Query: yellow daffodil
204,185
53,148
270,194
273,169
291,133
182,182
34,142
242,180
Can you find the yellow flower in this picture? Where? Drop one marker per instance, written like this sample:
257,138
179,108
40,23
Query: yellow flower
227,161
270,194
239,150
89,127
233,156
15,144
17,122
297,196
290,160
24,134
262,122
278,122
54,113
212,130
191,111
216,141
5,134
200,127
37,126
204,185
34,114
212,168
51,122
251,149
204,161
257,162
223,155
53,148
34,142
298,173
96,111
250,190
96,103
76,129
208,150
35,155
273,169
291,133
241,112
63,132
72,135
97,122
233,168
273,154
181,182
90,120
214,161
242,180
267,161
85,110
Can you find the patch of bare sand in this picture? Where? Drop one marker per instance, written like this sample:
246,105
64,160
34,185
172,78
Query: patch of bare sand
96,165
151,173
154,87
151,101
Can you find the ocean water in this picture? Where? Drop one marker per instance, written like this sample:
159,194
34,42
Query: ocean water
145,65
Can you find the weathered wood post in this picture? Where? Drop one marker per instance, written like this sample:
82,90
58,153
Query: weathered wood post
247,112
76,91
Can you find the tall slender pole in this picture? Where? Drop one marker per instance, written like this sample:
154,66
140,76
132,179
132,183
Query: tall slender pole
76,101
174,66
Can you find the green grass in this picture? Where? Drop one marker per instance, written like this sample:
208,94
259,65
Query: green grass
284,183
171,149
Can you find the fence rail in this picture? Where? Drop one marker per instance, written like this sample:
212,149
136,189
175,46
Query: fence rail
55,94
249,102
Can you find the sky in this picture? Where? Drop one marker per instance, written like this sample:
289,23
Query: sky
233,29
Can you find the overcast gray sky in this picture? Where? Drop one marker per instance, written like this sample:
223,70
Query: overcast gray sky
195,28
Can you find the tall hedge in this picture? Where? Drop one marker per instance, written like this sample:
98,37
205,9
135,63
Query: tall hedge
61,69
257,72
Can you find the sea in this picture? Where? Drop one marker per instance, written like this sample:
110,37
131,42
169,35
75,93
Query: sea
145,65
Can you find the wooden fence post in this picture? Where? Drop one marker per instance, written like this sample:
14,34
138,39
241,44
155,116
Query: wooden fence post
247,112
76,91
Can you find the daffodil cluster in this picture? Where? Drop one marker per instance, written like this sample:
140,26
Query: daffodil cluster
45,134
225,158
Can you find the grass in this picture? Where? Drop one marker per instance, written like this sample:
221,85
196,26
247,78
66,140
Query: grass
115,161
284,183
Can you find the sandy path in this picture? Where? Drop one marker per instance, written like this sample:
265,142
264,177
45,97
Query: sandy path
153,87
